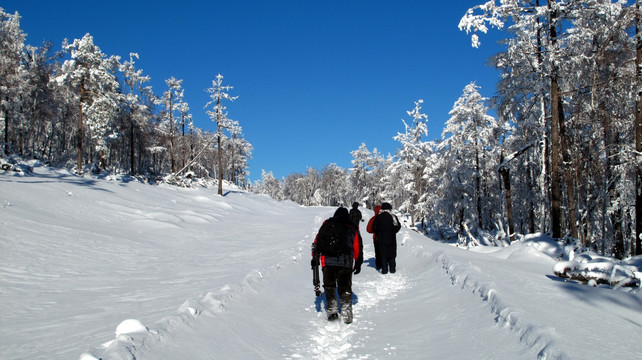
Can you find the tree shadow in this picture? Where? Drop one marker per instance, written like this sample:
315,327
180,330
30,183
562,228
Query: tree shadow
52,177
600,295
231,192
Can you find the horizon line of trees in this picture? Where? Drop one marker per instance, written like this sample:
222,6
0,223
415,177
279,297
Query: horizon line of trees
563,156
92,112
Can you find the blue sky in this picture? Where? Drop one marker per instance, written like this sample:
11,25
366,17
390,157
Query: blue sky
314,79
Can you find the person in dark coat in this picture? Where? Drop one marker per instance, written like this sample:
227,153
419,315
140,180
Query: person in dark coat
385,227
355,214
369,229
338,268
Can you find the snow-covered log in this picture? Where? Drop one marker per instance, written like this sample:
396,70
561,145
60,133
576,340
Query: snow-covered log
599,271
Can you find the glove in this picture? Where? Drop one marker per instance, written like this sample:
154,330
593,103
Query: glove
357,269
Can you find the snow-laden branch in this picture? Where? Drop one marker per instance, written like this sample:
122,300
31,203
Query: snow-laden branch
514,155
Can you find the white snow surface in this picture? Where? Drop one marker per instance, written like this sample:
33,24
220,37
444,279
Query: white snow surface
115,269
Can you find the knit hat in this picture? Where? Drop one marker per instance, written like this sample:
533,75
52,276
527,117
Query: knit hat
386,206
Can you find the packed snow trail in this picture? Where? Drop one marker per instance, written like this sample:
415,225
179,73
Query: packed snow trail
335,340
440,326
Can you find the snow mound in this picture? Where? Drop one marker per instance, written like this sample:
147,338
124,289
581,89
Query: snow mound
130,326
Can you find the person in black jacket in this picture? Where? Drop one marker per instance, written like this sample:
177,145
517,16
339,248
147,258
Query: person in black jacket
385,227
355,214
338,267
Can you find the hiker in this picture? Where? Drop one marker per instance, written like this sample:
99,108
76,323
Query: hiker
385,227
374,238
355,214
339,249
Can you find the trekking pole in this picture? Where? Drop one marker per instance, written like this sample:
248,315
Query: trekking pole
316,281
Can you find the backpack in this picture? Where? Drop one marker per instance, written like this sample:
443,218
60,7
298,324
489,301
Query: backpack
335,238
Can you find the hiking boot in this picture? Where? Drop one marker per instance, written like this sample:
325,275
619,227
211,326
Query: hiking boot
346,307
347,317
333,317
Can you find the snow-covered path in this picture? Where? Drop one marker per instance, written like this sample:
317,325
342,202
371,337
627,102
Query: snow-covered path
212,277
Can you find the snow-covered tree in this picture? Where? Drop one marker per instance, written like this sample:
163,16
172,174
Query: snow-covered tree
269,185
600,76
91,76
567,84
185,124
366,176
12,72
136,105
359,173
412,157
219,92
39,122
172,103
238,151
470,142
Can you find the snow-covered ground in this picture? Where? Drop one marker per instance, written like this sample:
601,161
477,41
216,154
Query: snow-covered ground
111,269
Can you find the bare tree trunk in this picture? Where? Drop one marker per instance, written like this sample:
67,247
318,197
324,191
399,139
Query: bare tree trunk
504,172
568,174
638,133
219,133
478,184
531,203
80,124
556,118
5,117
132,144
556,190
171,132
415,197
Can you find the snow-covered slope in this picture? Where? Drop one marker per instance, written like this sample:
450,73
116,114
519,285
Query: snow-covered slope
121,270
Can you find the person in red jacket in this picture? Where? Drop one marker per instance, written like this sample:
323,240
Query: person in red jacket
374,238
338,262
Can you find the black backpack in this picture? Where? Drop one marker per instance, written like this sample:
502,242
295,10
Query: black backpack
335,238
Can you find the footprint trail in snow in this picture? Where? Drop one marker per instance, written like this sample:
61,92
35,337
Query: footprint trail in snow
335,340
